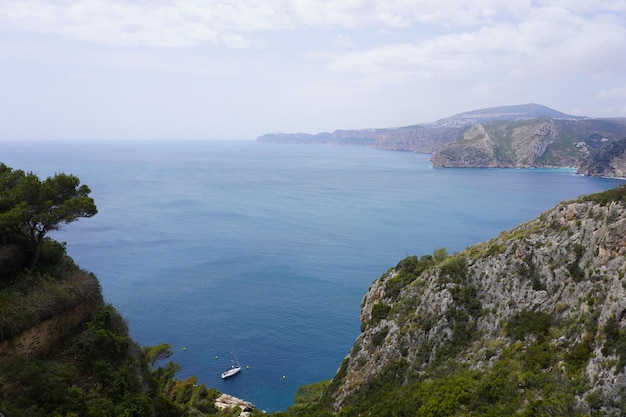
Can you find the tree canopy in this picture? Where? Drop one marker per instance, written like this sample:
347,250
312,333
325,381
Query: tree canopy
31,208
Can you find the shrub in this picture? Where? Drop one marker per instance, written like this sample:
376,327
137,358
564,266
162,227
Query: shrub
617,194
527,323
380,311
408,270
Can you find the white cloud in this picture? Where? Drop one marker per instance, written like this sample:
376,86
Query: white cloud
551,43
317,65
232,22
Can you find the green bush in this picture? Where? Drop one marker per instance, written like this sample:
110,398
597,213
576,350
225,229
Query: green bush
408,270
617,194
527,323
380,311
615,341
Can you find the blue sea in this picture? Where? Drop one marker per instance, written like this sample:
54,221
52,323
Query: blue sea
267,250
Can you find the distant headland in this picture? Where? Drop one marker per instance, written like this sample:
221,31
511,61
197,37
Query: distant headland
517,136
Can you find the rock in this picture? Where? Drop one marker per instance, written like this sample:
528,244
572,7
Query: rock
226,401
568,264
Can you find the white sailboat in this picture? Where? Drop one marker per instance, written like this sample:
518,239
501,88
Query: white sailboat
233,370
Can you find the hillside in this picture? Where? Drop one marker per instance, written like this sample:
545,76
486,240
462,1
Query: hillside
64,352
538,142
530,323
531,320
608,161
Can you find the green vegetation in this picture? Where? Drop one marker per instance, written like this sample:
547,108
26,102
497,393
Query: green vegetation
617,194
96,369
528,323
31,208
615,341
57,286
379,312
534,363
408,270
524,381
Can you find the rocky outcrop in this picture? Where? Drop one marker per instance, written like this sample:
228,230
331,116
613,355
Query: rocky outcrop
609,161
565,270
541,142
228,402
501,144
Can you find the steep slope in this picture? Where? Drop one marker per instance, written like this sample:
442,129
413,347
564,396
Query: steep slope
532,322
539,142
609,161
64,352
502,144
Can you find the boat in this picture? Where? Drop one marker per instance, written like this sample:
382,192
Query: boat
233,370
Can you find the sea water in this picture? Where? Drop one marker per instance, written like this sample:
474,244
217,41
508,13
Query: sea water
267,250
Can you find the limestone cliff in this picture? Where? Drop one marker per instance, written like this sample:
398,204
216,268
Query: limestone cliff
536,317
539,142
500,144
609,161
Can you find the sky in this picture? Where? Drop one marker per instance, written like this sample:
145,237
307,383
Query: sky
237,69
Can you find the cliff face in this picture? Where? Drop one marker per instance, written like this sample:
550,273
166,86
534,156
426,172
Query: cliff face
540,142
544,303
609,161
500,144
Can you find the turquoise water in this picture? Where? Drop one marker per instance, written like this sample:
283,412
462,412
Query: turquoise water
269,249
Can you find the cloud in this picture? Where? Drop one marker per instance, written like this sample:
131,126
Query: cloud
233,23
303,63
550,43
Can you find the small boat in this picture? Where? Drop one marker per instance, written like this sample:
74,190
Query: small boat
233,370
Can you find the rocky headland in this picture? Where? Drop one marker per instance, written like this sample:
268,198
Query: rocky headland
520,136
534,319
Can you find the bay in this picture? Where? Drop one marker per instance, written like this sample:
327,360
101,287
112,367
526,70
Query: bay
267,250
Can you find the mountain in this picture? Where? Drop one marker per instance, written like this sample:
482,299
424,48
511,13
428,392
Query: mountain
532,322
424,138
528,135
518,112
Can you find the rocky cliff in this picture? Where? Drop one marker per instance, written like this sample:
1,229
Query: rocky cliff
539,142
424,138
519,136
531,322
501,144
609,161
